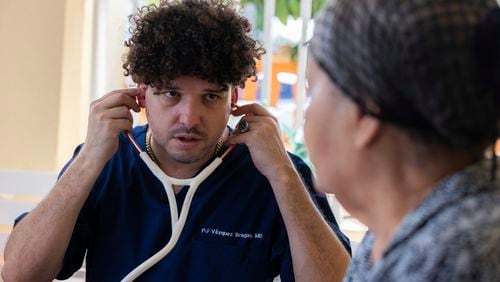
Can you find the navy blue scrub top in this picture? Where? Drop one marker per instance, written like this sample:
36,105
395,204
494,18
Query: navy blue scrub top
234,230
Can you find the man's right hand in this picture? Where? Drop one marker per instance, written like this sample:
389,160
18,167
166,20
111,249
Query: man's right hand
108,116
36,247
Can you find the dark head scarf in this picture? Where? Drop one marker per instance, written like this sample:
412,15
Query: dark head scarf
428,65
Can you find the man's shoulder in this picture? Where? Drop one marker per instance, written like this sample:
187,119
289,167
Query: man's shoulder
295,158
298,161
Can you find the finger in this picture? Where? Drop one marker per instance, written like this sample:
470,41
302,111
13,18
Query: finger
121,112
262,128
120,125
265,119
251,109
239,138
266,123
242,126
116,100
133,92
256,133
111,127
123,99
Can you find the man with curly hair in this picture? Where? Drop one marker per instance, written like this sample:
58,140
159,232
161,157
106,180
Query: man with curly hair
252,219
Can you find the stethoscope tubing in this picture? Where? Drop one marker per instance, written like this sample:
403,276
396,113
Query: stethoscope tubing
177,222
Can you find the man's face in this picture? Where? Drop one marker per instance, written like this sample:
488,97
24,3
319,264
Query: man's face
187,118
328,131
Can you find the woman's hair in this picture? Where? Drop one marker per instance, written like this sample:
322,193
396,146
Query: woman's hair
207,39
430,67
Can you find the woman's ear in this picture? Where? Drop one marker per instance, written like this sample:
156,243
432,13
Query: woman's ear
368,128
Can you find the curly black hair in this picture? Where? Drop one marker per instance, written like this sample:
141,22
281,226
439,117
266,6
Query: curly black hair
207,39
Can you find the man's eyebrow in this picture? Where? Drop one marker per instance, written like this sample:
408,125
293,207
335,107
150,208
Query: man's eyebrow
215,90
220,89
170,86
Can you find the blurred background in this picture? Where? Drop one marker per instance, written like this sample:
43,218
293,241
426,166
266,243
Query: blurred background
57,56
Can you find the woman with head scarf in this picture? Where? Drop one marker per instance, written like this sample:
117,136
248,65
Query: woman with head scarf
405,103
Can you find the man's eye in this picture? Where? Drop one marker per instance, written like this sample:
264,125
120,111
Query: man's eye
167,93
171,94
211,97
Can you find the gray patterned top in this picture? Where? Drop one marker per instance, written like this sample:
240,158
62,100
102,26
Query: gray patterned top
454,235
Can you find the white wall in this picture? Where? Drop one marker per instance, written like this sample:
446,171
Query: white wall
31,36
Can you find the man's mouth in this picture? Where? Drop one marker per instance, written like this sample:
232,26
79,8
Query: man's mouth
188,138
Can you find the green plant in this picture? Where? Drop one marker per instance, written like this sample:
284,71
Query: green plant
284,8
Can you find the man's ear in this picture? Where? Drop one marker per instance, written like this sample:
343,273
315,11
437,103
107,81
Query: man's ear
367,130
141,98
234,97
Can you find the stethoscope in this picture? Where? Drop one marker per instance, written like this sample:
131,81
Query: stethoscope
177,222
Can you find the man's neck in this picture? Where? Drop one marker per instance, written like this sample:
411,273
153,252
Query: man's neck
174,168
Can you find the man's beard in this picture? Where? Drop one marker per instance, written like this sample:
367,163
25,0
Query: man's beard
191,157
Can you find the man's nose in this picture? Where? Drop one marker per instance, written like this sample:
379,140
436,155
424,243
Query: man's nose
190,113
